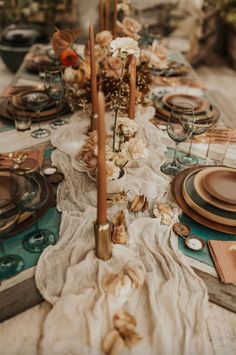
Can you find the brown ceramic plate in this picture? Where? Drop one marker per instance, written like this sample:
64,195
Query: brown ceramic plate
6,111
199,104
202,192
176,189
202,207
212,115
220,182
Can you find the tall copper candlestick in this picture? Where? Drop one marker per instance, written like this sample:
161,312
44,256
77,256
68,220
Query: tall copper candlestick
132,88
102,227
101,15
115,19
94,95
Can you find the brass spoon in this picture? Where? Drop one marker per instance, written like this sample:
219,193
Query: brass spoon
191,241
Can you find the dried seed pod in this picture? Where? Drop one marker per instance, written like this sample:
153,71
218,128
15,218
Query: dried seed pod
130,336
119,234
136,274
112,343
112,283
163,210
124,318
139,203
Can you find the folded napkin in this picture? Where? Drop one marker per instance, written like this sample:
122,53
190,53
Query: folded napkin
224,258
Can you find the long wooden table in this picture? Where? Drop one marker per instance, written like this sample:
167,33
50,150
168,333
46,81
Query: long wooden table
23,286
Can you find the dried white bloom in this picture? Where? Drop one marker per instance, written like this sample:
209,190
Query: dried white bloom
135,148
127,126
69,74
123,46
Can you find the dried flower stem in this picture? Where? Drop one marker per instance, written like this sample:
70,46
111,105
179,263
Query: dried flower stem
117,105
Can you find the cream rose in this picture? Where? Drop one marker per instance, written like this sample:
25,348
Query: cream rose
124,46
69,74
113,67
104,38
135,148
127,126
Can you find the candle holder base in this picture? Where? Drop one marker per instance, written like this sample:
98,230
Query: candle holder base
103,244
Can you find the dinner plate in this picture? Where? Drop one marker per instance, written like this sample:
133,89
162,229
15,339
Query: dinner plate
203,208
202,192
221,183
176,190
6,111
213,114
199,104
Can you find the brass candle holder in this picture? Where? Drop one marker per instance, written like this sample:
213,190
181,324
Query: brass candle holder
103,244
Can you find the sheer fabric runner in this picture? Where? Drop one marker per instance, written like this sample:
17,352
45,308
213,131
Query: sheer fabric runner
170,308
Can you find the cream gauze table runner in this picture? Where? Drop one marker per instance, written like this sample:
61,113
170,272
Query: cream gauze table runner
171,307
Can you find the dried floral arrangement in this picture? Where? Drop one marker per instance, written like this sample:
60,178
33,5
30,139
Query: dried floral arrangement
110,66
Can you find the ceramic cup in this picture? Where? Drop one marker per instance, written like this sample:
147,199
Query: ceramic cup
113,186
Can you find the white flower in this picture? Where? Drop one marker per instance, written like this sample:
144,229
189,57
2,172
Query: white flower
124,46
135,148
127,126
120,158
113,171
69,74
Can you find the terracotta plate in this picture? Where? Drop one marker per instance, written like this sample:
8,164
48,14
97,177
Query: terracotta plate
176,189
199,104
202,192
203,208
221,183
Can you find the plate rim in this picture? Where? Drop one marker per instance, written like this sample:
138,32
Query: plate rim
225,199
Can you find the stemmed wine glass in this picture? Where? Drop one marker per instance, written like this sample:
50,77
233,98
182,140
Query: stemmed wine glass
55,87
36,101
179,128
32,199
10,264
199,127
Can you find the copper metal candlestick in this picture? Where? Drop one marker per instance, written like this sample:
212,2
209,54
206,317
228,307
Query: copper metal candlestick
103,240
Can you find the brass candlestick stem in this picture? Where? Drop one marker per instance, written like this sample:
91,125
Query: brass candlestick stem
103,240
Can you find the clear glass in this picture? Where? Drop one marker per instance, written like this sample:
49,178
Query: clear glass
10,264
32,197
199,127
22,121
219,140
36,101
55,87
179,129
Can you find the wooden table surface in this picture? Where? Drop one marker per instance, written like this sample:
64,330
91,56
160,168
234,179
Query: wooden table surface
221,322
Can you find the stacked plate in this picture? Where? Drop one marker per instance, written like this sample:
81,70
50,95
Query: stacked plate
18,218
203,110
11,105
208,195
39,62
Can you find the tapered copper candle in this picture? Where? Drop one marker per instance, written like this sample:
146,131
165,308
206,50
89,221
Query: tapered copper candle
115,19
107,14
101,15
101,175
94,94
132,88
